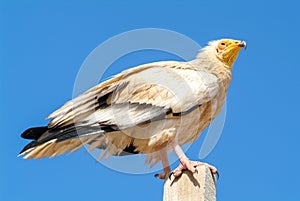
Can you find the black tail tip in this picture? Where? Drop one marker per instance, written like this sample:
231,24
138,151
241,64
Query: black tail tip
34,133
28,146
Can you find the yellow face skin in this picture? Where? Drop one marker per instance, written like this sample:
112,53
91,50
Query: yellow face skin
228,50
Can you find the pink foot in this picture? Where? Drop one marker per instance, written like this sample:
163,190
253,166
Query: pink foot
165,164
187,164
164,174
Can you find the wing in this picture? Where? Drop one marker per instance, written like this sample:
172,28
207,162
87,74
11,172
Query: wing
150,92
140,94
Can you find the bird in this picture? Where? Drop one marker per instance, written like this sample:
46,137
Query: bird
152,109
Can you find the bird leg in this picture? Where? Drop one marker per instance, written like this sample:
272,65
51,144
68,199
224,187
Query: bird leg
187,164
165,164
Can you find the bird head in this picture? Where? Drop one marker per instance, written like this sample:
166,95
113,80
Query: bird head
227,50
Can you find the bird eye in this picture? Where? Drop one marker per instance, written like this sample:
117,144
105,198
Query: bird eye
221,46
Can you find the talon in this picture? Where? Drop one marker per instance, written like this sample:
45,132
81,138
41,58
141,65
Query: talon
170,175
186,164
217,173
156,175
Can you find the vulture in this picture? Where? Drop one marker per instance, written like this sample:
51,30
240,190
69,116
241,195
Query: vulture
151,109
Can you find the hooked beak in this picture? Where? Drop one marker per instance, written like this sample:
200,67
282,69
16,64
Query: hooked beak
243,44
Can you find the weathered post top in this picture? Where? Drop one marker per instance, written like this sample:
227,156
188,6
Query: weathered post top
191,187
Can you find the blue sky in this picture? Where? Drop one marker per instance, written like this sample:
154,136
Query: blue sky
42,46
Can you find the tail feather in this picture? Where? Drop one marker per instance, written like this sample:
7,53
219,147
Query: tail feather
43,135
50,142
34,133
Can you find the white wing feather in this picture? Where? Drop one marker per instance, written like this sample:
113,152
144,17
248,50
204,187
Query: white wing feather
140,94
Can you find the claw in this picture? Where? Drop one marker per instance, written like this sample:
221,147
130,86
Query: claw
170,175
196,171
217,174
156,175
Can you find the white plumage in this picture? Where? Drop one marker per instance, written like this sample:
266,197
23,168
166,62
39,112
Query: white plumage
150,109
